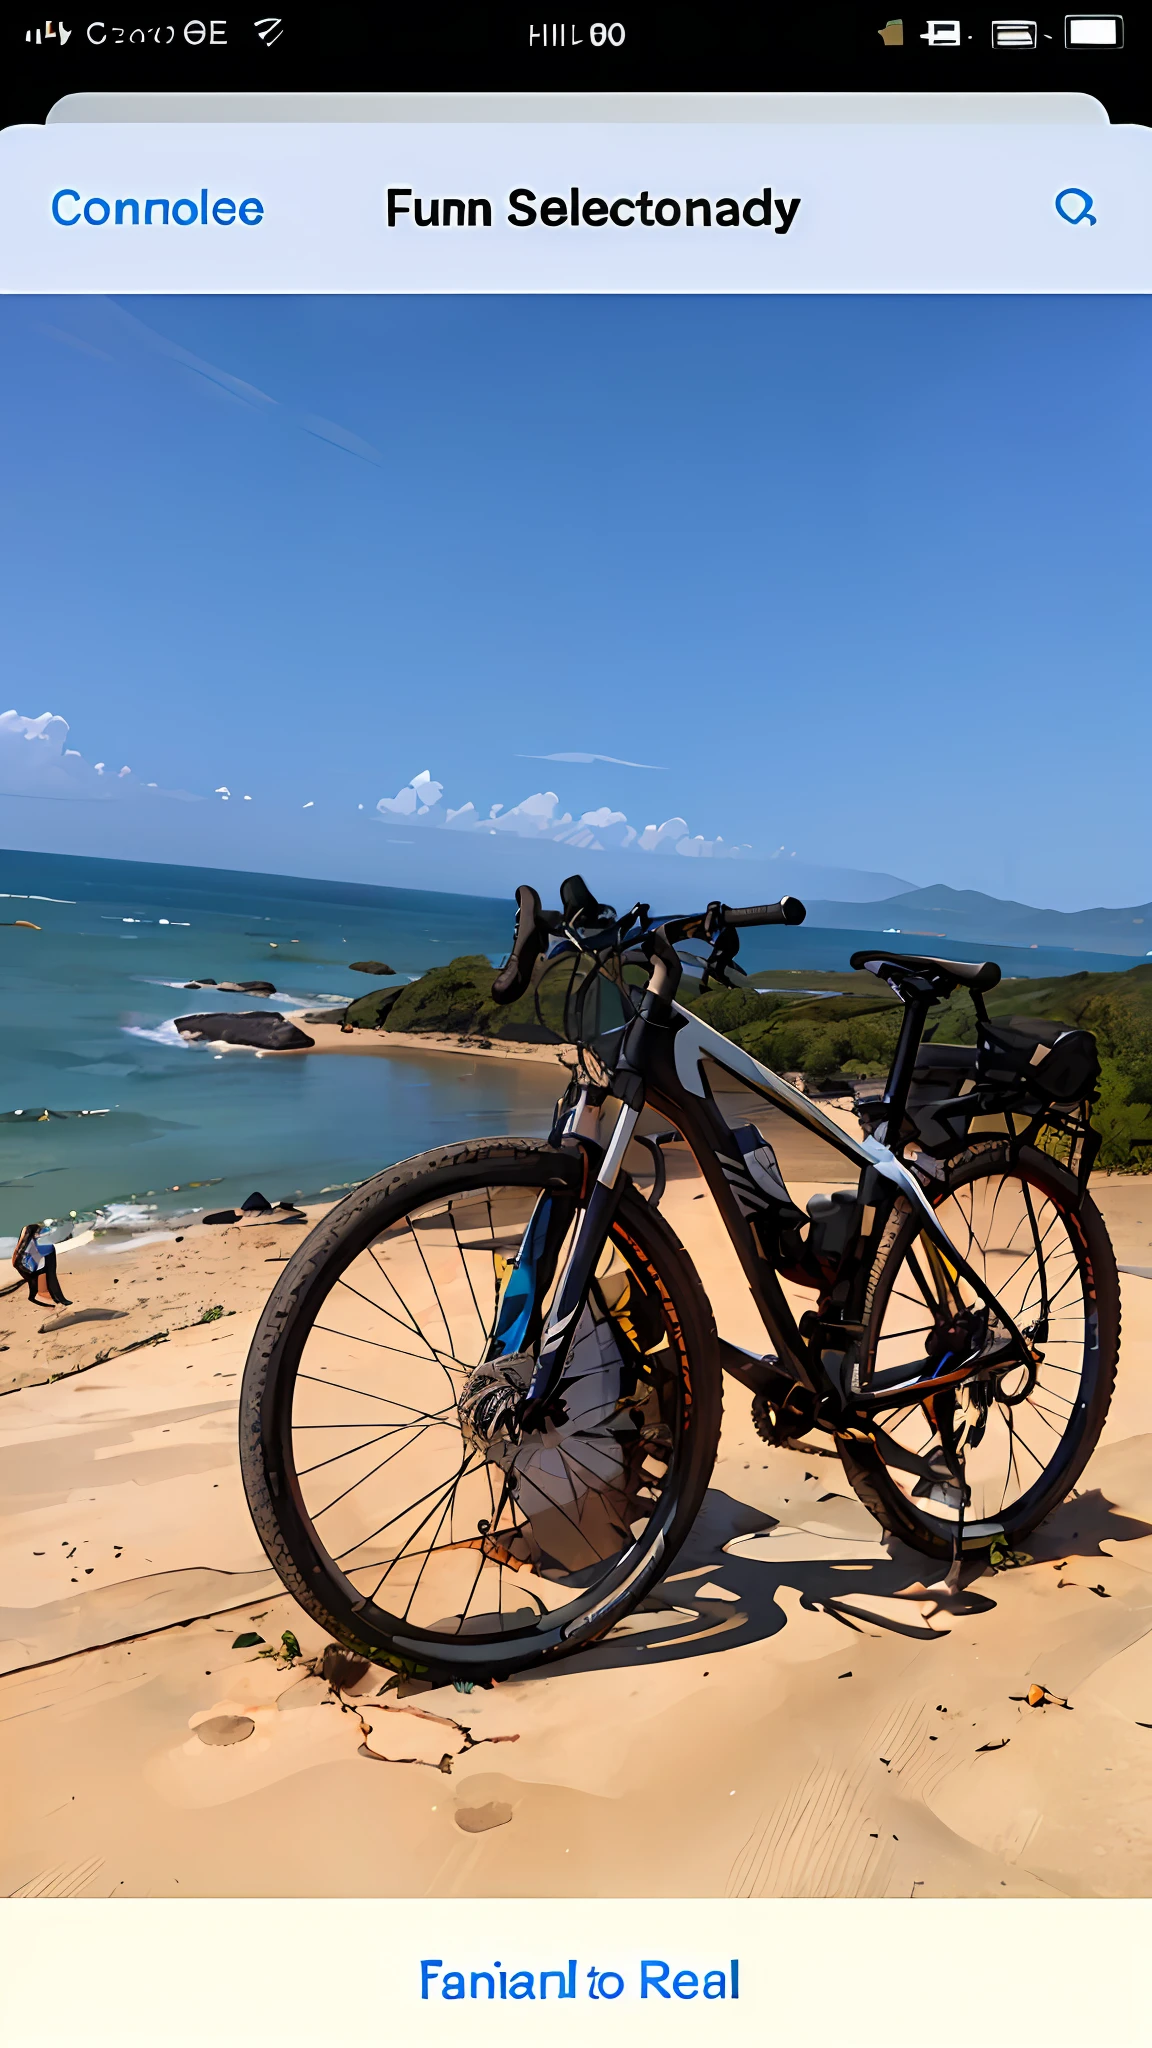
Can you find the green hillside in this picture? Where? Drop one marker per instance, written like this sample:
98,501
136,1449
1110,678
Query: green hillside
821,1025
457,999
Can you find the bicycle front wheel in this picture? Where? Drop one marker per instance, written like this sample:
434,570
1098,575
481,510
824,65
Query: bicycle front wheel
411,1535
1043,1249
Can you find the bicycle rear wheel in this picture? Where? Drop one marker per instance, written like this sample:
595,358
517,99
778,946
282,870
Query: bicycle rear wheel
1043,1248
412,1535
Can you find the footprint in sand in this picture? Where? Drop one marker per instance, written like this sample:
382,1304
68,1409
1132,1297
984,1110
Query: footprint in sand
225,1729
476,1820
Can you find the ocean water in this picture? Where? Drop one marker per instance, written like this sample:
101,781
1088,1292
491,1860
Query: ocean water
85,1026
141,1118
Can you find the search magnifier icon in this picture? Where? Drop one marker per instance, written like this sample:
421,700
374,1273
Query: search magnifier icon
1075,205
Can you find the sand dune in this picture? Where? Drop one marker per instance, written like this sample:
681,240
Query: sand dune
802,1715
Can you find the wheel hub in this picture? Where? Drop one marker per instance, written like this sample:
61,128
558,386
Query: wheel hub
489,1407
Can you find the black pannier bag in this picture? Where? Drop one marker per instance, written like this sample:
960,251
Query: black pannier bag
1024,1069
1035,1061
941,1098
942,1074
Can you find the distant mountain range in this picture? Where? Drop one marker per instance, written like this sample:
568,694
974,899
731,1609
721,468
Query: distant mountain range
927,916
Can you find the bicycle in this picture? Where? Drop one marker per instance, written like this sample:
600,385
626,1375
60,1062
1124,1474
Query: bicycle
483,1402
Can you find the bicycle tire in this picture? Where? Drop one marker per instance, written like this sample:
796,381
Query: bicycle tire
426,1185
1056,1195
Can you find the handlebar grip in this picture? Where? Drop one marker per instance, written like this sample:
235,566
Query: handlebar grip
789,910
528,942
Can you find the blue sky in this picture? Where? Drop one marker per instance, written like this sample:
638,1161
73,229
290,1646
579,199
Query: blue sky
866,578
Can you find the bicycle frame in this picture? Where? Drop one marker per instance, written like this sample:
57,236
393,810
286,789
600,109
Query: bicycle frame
663,1052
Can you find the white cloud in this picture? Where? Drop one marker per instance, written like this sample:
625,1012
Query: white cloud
35,761
131,343
539,817
586,761
417,799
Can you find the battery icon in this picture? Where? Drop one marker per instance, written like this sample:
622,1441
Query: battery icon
1094,31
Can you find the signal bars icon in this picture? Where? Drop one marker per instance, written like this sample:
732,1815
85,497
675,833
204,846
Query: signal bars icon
50,33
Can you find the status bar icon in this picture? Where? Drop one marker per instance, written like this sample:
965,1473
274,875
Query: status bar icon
942,35
1094,31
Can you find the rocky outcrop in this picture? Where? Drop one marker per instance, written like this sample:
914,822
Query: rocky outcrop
370,967
237,988
263,1030
368,1012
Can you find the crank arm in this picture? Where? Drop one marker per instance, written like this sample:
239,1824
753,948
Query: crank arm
761,1374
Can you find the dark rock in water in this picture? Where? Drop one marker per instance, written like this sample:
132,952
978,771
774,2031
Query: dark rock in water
205,981
266,1031
256,988
221,1216
324,1016
368,1012
371,967
257,1202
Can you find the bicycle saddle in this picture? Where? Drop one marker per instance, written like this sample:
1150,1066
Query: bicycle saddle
982,974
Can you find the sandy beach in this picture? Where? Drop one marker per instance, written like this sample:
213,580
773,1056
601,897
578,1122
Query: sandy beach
331,1038
797,1715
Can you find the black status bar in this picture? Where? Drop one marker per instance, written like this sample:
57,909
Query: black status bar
667,48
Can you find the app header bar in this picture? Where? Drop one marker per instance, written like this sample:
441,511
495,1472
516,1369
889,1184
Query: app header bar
600,208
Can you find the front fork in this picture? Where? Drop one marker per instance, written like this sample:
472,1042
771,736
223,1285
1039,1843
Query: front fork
576,1280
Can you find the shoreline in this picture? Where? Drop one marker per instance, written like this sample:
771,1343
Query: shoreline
331,1038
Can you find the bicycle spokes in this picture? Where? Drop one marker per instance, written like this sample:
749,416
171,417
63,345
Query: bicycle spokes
996,1434
410,1459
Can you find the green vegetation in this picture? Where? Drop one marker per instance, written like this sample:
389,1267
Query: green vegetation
1121,1122
1118,1009
821,1025
853,1032
366,1013
285,1651
457,1000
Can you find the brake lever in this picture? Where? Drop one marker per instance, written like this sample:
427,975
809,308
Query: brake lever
722,959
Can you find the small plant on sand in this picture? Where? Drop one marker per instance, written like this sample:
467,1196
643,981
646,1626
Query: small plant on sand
213,1315
286,1651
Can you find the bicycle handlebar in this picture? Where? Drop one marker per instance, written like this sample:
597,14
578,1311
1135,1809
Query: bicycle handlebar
789,910
535,926
533,930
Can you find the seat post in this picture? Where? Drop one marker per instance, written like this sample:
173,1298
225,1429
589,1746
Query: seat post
918,998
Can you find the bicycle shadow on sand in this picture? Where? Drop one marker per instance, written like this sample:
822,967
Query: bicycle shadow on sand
724,1589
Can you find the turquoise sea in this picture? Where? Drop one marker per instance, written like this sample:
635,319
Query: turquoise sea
85,1025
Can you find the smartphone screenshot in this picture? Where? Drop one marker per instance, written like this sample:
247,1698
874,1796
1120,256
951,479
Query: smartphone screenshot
576,1082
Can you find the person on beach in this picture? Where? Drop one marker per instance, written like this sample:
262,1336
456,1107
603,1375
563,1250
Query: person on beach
35,1260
